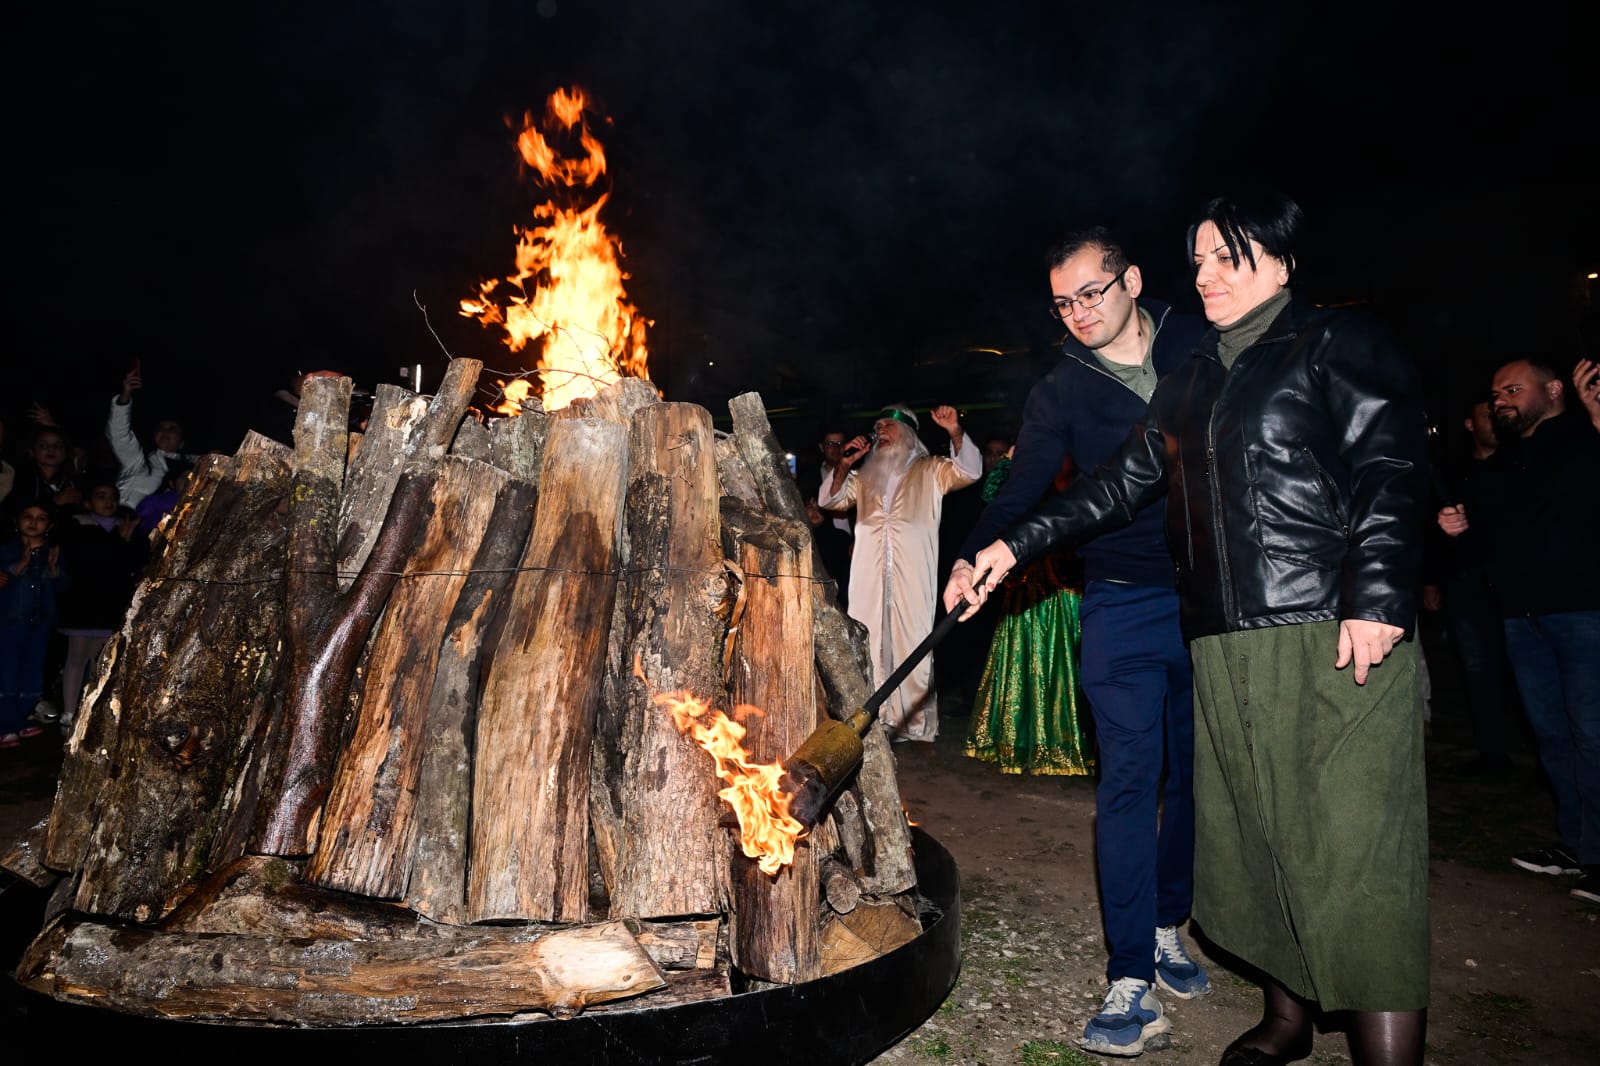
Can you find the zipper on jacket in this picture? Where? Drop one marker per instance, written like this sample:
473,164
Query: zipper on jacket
1229,607
1329,492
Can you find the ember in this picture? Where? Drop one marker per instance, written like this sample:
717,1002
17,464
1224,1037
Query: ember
574,312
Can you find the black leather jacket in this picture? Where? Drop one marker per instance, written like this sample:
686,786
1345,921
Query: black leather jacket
1295,481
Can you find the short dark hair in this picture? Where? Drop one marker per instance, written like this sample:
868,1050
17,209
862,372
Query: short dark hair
1112,257
1267,217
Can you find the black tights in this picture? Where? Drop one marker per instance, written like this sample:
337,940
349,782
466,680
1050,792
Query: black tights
1387,1037
1377,1038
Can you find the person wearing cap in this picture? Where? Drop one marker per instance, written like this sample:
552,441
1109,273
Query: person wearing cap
898,495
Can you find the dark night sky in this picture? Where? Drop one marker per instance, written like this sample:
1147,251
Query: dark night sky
821,199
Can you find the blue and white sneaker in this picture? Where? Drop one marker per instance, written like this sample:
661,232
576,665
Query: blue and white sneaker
1175,970
1130,1021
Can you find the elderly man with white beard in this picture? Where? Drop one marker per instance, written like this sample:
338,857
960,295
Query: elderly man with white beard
899,495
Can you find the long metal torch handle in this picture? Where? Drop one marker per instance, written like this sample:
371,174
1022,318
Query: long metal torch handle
901,672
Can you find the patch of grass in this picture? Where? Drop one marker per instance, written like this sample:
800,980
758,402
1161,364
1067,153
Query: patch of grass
1054,1053
932,1047
1011,977
949,1006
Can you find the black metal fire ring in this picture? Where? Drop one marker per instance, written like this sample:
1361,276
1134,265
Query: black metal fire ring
847,1018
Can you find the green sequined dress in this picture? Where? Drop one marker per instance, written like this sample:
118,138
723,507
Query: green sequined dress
1031,716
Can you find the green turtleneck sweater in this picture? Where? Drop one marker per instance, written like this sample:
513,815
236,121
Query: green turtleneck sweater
1231,340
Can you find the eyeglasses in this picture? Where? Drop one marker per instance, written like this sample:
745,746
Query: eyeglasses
1062,308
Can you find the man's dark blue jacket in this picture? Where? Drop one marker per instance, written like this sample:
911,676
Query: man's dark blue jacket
1080,409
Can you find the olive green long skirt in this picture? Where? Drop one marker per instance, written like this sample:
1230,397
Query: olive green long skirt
1311,835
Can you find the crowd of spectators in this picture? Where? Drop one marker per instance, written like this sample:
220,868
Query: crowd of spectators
76,515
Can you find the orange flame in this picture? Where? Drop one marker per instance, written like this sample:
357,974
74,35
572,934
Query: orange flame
575,313
766,831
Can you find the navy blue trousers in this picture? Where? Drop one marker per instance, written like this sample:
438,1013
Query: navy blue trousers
1140,683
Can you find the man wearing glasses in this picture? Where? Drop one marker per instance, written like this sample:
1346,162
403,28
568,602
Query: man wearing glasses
1135,670
832,448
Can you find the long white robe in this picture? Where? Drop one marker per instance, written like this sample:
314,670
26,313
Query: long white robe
894,575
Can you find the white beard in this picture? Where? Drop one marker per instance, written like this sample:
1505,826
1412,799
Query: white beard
887,464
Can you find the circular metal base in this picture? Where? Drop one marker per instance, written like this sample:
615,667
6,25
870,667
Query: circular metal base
850,1017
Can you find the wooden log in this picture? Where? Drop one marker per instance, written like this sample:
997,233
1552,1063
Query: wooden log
615,403
367,827
370,482
300,750
517,444
840,888
149,773
436,882
300,981
25,856
654,804
872,928
403,428
774,932
888,869
529,848
683,987
735,475
264,896
472,441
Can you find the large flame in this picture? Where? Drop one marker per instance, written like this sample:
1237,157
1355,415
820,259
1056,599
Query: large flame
767,833
566,297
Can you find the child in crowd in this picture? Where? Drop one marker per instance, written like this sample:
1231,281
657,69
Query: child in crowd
31,576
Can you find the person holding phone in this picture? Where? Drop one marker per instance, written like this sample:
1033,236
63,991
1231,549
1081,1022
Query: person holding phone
141,470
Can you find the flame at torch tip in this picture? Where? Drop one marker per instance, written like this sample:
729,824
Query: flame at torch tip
767,832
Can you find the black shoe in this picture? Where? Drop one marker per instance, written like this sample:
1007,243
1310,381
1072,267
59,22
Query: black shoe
1557,861
1588,886
1237,1054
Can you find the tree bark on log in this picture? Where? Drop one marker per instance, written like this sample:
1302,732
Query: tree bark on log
889,869
373,475
530,797
294,980
263,896
517,444
654,793
367,826
144,786
303,743
774,933
300,752
403,428
436,883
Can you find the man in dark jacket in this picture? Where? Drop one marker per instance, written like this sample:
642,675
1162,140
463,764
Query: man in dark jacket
1536,507
1135,668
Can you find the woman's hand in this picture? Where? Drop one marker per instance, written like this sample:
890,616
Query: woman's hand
1366,644
973,582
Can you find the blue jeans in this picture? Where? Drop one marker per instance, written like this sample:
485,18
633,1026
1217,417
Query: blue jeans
1556,661
1140,684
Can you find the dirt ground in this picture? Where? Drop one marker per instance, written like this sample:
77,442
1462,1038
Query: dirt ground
1516,961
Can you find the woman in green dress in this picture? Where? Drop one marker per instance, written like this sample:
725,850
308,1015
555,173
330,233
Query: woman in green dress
1030,715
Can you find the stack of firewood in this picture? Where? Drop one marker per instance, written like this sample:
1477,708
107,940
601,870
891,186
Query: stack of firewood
379,740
